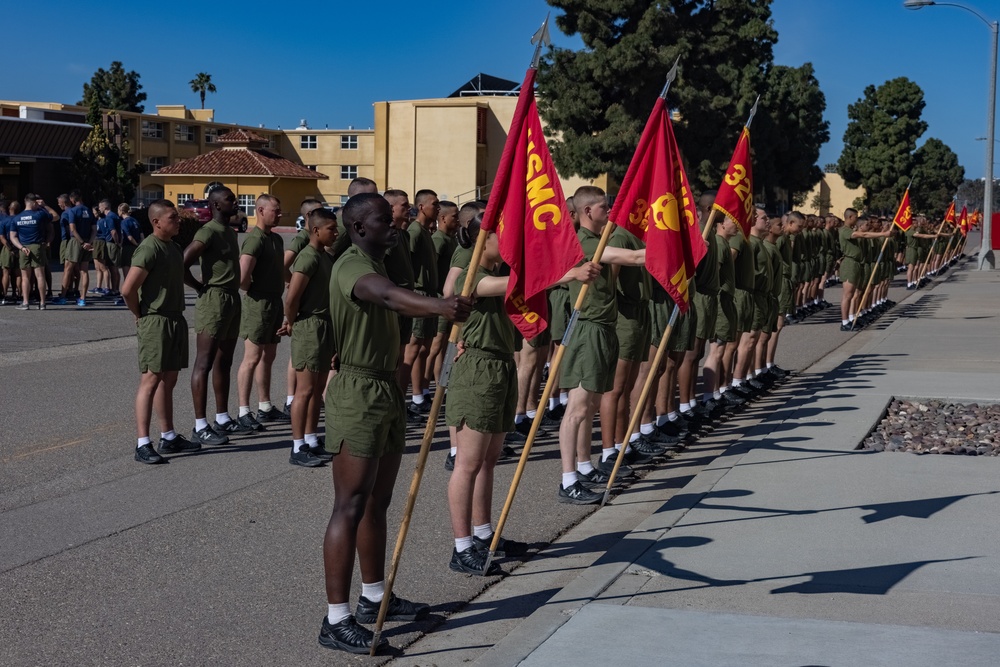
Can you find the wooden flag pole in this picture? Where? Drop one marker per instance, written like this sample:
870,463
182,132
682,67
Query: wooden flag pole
425,444
946,257
546,394
871,279
930,252
709,225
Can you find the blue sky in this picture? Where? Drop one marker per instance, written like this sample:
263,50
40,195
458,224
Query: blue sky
329,61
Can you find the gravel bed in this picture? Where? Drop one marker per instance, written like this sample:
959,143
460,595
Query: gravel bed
936,427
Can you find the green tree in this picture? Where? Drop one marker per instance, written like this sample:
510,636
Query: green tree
114,89
972,191
880,140
597,100
202,84
936,176
101,168
789,131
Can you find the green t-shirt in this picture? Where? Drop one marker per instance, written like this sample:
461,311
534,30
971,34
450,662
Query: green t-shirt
220,262
315,299
343,241
299,241
849,246
600,306
774,257
367,335
267,278
743,262
398,265
488,327
461,258
633,289
784,248
727,267
763,279
425,278
162,292
706,276
444,248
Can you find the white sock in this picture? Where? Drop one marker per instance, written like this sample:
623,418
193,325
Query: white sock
264,406
564,398
661,420
297,445
200,424
518,418
586,467
454,450
758,371
312,439
463,543
418,399
484,531
335,613
770,365
634,438
530,414
374,592
646,429
717,394
845,322
569,479
605,454
288,400
223,417
692,405
553,402
169,435
672,416
244,410
141,442
737,382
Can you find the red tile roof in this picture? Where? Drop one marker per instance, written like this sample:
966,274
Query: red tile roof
239,136
239,162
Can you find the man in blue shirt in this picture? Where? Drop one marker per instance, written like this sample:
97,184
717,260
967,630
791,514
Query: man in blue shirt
83,232
31,233
7,252
131,237
105,247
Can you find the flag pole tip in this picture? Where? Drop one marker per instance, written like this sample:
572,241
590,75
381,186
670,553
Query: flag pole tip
604,500
489,561
375,641
671,75
539,39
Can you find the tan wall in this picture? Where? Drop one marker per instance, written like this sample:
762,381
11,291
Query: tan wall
836,195
328,157
291,191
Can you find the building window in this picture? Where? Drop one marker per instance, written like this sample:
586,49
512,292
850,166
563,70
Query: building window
183,132
248,204
183,198
125,127
311,167
155,162
152,129
211,135
307,141
147,197
349,172
349,141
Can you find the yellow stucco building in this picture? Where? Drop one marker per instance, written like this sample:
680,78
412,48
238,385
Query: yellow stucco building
831,195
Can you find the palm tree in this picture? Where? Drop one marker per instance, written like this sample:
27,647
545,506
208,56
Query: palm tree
202,84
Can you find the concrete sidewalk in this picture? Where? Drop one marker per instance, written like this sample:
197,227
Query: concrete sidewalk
795,548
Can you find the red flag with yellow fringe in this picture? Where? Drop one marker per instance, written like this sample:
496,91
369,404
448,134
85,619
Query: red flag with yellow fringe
528,212
963,221
655,204
904,216
735,196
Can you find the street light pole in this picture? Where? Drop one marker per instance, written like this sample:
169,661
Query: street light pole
986,259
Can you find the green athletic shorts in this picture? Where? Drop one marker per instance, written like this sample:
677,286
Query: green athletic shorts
771,319
725,320
744,310
125,260
260,320
559,312
591,358
36,258
115,255
761,310
405,329
850,271
910,257
482,392
682,336
365,411
541,340
312,344
76,253
634,335
424,327
100,251
163,343
63,246
444,326
5,257
706,306
217,313
659,317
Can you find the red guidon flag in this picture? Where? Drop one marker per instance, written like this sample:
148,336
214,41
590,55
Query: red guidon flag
949,215
975,218
904,216
528,212
963,221
655,204
735,196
